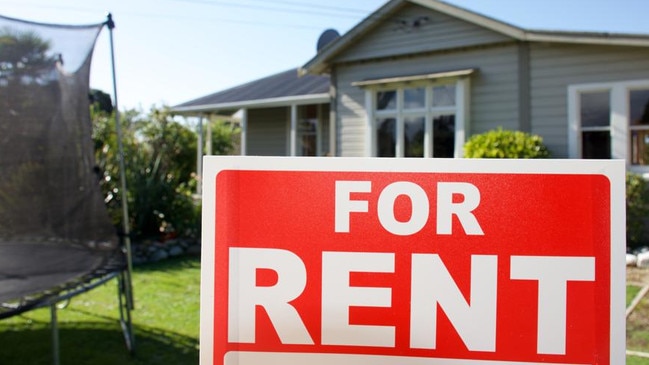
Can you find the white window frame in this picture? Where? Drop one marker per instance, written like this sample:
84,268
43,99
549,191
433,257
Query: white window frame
619,118
460,110
292,129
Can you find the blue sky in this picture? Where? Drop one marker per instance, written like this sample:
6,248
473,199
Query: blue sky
171,51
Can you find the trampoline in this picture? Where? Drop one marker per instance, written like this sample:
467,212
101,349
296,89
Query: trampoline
56,238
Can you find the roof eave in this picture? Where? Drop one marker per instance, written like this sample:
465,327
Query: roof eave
474,18
251,104
584,38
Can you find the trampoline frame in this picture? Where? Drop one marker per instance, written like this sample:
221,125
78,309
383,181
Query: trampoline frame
120,270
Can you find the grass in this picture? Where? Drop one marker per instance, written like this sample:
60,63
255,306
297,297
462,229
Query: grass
637,328
165,321
631,292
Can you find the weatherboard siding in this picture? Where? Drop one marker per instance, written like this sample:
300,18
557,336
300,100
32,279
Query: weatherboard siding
554,67
493,90
437,31
267,132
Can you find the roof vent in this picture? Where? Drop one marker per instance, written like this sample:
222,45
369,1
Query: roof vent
327,37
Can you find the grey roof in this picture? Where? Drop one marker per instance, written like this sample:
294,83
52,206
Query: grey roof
282,88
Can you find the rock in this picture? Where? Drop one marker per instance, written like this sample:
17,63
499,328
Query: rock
159,255
643,259
171,242
194,250
138,260
631,259
176,251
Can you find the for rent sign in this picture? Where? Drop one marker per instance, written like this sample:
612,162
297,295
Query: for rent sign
387,261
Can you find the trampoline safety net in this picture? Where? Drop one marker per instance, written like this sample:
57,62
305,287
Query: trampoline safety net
55,233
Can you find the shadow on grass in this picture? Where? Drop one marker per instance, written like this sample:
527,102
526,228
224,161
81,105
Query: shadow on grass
89,332
95,343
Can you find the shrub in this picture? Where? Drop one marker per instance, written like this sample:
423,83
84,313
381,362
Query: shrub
637,208
160,159
500,143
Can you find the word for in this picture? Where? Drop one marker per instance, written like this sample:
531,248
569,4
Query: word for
445,206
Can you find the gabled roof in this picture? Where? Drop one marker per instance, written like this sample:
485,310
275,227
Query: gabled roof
284,88
321,62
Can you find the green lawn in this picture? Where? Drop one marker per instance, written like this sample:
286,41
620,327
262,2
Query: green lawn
637,328
165,320
636,335
631,292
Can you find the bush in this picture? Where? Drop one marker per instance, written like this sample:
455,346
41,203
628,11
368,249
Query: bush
502,143
637,208
160,159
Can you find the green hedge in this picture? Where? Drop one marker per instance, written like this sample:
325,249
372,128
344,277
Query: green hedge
500,143
637,209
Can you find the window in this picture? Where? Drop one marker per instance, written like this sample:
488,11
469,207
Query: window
639,126
595,115
307,131
610,120
417,120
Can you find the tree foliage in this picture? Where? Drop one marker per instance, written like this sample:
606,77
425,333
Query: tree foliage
26,66
160,159
101,101
24,57
500,143
637,210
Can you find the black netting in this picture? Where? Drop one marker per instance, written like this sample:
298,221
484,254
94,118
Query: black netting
54,228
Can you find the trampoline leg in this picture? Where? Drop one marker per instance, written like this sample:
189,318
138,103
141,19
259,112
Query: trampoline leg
124,296
55,334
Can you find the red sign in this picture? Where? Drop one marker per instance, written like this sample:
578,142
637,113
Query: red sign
362,264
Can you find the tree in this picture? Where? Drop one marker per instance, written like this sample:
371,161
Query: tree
637,209
160,159
23,57
224,135
101,101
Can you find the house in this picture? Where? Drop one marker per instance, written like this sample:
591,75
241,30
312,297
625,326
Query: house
416,78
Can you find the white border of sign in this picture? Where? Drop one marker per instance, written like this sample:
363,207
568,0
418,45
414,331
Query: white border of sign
614,170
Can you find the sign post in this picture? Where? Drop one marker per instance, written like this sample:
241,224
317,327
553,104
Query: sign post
412,261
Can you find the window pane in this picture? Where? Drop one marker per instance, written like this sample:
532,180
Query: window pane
386,100
596,145
386,131
444,95
595,109
307,137
640,147
414,98
414,135
444,136
639,107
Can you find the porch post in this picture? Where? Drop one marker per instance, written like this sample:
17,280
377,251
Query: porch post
199,155
462,116
244,131
318,133
293,134
208,138
370,132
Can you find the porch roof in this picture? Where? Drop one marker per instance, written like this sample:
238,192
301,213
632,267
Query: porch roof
281,89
